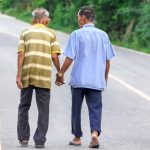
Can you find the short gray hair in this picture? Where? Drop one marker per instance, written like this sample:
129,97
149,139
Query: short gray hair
40,13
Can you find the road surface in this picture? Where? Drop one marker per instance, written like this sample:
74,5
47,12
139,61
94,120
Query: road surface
126,102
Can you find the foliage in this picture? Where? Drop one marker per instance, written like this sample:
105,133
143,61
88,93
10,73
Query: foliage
126,21
142,29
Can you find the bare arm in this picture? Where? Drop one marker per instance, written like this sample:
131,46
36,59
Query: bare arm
56,63
65,66
107,70
19,66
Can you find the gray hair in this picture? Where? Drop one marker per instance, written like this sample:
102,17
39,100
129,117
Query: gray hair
40,13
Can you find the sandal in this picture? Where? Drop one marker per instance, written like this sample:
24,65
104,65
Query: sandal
23,142
94,143
74,143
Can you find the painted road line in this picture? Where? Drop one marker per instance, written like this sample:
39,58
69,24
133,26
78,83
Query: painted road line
131,50
128,86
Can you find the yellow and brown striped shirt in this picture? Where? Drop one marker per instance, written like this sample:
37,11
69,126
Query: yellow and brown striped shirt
38,44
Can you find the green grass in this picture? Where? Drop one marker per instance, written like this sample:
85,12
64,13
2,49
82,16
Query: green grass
26,16
132,46
22,15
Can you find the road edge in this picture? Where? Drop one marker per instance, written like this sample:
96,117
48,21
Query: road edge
120,48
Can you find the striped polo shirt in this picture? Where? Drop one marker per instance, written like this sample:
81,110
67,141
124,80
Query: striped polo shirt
38,44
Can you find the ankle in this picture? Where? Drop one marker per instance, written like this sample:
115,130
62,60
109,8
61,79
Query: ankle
77,138
95,133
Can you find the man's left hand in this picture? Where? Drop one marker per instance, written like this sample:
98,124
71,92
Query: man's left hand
18,82
59,80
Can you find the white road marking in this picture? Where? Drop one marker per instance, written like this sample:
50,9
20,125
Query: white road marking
128,86
131,50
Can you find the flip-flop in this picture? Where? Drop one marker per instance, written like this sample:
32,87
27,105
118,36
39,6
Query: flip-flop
39,146
94,143
74,144
94,146
24,143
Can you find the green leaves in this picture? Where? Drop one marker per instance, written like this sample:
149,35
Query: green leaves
126,21
142,29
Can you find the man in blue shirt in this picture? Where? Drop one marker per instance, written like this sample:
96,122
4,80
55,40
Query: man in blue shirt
91,51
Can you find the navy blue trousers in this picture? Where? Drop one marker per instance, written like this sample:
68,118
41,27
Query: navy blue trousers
94,103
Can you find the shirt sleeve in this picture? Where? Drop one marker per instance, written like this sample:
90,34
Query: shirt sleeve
110,52
55,47
21,46
72,46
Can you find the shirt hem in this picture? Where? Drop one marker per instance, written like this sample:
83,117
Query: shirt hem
89,87
44,87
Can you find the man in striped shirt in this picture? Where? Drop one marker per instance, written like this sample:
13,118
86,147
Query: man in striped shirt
37,49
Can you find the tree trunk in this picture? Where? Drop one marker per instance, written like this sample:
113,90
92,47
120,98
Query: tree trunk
130,27
68,2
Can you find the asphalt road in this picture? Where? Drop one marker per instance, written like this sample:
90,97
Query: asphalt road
126,102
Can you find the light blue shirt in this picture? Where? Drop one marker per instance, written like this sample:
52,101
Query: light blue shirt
90,48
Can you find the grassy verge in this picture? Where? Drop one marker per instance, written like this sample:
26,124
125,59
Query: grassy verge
22,15
26,16
134,47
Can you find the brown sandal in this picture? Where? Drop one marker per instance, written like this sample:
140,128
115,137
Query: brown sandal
94,143
74,144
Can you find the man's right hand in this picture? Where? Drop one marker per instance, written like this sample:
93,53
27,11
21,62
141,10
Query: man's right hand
18,82
59,80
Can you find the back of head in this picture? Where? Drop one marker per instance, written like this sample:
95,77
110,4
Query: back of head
40,15
88,12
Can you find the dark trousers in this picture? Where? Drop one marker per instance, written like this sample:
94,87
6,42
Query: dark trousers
94,103
42,100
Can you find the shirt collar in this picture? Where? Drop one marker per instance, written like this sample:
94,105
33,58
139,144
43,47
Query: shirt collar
89,25
38,25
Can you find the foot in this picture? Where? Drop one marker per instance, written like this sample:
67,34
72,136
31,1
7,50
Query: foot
23,142
94,140
39,146
75,142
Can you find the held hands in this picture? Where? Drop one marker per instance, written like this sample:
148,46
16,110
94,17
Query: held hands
59,79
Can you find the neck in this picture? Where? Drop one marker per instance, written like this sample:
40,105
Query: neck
86,23
41,21
89,22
